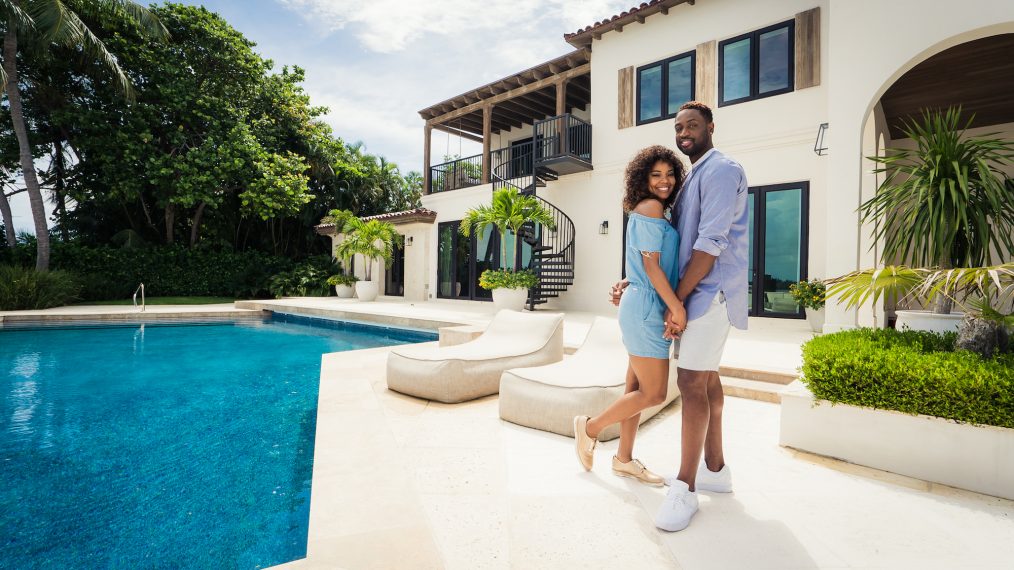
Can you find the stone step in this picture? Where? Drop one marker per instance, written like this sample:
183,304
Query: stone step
752,389
773,377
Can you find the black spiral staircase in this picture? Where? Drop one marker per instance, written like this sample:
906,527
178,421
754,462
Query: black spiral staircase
559,145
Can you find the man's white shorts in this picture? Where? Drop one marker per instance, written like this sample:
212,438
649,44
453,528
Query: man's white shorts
702,344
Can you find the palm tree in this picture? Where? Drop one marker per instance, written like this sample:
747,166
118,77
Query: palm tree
373,240
51,23
509,210
945,203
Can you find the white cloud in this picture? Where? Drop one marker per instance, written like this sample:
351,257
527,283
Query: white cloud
386,26
418,53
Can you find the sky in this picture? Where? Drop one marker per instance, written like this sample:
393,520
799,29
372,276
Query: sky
376,64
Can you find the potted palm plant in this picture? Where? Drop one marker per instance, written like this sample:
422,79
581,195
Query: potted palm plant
343,282
943,204
374,240
509,211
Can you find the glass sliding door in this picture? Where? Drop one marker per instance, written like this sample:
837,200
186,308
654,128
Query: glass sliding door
778,247
461,260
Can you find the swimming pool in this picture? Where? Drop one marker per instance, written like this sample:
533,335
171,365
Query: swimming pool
163,445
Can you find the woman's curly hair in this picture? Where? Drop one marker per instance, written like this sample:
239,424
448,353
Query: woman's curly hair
635,180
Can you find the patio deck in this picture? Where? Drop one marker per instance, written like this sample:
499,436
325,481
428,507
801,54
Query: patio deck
405,483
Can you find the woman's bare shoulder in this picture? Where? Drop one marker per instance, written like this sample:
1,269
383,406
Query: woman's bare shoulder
650,208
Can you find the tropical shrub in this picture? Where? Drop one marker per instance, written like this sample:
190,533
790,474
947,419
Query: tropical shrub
308,279
342,279
809,294
22,288
914,372
506,279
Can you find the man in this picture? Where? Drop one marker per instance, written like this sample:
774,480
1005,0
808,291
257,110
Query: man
711,217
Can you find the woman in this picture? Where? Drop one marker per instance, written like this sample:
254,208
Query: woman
651,183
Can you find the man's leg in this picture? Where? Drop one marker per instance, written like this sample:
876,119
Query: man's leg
714,455
694,392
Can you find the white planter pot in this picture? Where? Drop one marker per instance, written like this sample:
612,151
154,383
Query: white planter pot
816,319
344,291
367,290
928,321
977,458
510,299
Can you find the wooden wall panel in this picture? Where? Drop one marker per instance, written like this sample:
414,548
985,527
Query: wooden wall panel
625,98
808,49
706,77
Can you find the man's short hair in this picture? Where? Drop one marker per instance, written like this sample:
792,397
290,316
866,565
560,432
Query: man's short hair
704,109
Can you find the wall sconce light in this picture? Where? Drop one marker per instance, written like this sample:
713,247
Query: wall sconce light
604,227
820,145
408,241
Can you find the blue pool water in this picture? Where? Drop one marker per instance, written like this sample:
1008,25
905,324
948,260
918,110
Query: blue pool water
163,446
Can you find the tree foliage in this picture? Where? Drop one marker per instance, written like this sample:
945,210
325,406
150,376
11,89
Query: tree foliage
216,148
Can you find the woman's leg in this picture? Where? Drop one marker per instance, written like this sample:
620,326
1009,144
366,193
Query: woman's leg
652,382
628,427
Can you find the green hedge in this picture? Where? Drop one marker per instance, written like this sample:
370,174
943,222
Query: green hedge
912,372
173,271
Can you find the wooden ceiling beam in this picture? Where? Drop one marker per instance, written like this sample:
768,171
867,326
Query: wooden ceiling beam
512,94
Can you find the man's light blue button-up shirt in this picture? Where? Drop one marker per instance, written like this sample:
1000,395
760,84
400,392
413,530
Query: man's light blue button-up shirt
711,216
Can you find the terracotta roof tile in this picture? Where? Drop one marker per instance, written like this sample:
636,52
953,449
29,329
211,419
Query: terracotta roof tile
416,215
584,36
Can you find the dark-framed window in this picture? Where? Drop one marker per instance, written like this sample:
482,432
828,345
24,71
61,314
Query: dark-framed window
757,65
778,229
665,85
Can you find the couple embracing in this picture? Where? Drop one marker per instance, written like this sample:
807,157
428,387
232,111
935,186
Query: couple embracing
686,259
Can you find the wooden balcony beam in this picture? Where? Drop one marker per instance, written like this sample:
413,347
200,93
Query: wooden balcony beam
511,94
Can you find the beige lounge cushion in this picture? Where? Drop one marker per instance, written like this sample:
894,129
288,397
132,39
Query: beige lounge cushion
471,370
548,397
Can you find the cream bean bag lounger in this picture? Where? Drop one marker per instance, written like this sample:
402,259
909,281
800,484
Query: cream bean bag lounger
471,370
548,397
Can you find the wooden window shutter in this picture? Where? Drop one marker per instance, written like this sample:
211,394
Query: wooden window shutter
808,49
706,76
625,98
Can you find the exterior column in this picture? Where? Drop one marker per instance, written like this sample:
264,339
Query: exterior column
487,129
428,130
561,97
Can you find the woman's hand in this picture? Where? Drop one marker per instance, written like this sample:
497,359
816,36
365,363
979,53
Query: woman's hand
675,321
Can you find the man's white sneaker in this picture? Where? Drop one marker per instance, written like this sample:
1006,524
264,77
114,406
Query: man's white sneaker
678,508
715,481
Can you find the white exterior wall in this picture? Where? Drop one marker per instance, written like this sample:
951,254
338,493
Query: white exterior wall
866,45
772,138
872,44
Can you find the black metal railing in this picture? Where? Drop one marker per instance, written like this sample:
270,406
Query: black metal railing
513,166
561,136
459,173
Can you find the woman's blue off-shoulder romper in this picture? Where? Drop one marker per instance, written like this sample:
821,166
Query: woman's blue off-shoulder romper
641,309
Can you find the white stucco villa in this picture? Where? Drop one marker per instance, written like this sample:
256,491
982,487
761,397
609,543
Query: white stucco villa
802,91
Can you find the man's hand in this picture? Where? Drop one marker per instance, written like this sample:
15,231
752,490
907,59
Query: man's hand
675,323
616,291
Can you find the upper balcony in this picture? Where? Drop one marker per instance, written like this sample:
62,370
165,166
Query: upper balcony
560,144
542,99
